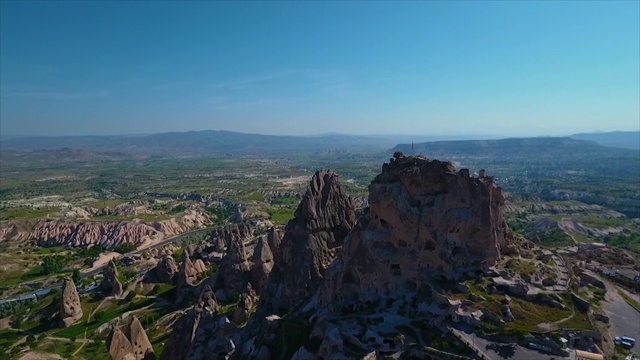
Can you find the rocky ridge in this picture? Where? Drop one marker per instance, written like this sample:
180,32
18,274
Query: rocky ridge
323,219
107,234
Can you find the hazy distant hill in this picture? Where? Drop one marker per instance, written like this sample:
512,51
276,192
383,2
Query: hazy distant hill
509,148
17,157
619,139
210,142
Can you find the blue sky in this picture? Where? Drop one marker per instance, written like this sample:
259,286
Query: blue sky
512,68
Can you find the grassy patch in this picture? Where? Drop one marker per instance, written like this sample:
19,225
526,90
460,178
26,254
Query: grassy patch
593,221
524,268
280,215
255,196
63,348
96,350
8,338
579,321
26,213
629,300
109,203
105,315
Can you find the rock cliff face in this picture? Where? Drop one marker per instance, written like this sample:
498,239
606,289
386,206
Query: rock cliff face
110,283
322,220
134,347
425,222
70,309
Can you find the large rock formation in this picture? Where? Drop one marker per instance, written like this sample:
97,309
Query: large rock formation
262,263
201,333
235,271
245,305
110,283
322,220
70,309
135,346
221,238
142,348
166,269
119,346
187,275
274,238
425,222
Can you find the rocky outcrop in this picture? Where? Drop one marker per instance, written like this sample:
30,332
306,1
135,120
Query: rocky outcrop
119,346
223,237
166,269
322,220
201,333
136,346
70,309
262,263
142,348
274,238
587,279
192,219
110,283
426,221
234,272
245,305
187,275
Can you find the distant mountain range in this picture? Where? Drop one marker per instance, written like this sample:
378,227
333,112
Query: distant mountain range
619,139
212,142
536,149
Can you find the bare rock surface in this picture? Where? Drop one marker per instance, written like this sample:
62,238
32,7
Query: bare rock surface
425,222
142,348
107,234
135,346
262,263
187,275
322,220
166,269
245,304
110,283
70,309
119,346
201,333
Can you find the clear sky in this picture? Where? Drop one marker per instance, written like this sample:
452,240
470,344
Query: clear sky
432,68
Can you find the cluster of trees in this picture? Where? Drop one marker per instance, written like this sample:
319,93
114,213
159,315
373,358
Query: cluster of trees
52,264
221,214
125,248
